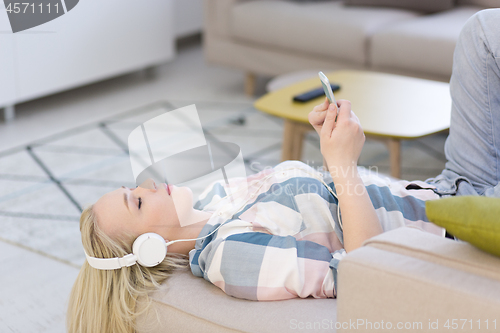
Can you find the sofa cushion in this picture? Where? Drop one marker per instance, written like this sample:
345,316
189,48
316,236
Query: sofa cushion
480,3
425,44
185,303
473,219
325,29
425,6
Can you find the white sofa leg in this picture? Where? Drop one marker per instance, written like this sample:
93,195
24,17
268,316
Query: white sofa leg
9,112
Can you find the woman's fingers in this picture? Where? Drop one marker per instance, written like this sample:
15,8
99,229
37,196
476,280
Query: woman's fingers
344,110
329,123
318,114
353,116
324,105
321,107
316,118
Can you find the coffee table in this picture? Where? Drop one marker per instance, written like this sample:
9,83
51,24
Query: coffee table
390,108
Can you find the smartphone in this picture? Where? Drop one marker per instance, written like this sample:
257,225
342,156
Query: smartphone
312,94
327,88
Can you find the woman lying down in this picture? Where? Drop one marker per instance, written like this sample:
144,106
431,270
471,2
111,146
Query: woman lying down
285,242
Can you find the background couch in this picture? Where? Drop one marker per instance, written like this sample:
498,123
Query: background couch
275,37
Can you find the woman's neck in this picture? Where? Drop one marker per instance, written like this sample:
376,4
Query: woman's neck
190,231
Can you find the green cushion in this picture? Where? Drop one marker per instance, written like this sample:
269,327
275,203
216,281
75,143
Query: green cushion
474,219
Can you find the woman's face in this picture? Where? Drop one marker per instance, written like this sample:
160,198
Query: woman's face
150,207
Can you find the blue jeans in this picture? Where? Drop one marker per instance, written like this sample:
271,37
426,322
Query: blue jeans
473,146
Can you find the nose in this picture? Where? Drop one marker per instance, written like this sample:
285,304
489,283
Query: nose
148,184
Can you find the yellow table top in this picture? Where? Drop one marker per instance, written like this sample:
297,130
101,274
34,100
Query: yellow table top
386,104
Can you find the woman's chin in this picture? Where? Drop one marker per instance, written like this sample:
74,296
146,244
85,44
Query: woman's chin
182,196
181,188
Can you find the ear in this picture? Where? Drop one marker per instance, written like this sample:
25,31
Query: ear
150,249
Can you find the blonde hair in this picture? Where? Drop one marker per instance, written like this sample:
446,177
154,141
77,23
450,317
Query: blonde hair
106,300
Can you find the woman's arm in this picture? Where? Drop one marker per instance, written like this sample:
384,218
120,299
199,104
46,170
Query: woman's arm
341,144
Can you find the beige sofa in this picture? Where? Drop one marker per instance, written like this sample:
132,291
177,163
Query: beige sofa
276,37
399,277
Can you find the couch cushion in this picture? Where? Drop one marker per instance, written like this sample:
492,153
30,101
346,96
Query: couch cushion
425,44
326,29
185,303
425,6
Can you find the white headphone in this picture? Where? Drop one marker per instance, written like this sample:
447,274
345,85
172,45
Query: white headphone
150,249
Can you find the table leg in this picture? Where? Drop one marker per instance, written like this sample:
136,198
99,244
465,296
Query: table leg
288,140
250,80
395,156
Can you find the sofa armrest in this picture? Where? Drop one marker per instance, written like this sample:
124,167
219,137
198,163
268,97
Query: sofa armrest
410,277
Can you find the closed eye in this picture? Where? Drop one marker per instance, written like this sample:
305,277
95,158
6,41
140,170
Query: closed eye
140,203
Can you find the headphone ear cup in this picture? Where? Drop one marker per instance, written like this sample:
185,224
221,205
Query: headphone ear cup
150,249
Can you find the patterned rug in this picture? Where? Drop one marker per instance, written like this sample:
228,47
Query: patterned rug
45,185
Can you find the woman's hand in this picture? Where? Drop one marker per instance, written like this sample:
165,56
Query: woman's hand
341,141
317,115
341,144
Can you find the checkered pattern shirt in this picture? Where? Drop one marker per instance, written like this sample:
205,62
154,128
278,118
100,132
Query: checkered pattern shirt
286,241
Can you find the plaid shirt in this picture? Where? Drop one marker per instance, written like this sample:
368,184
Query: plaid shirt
286,241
